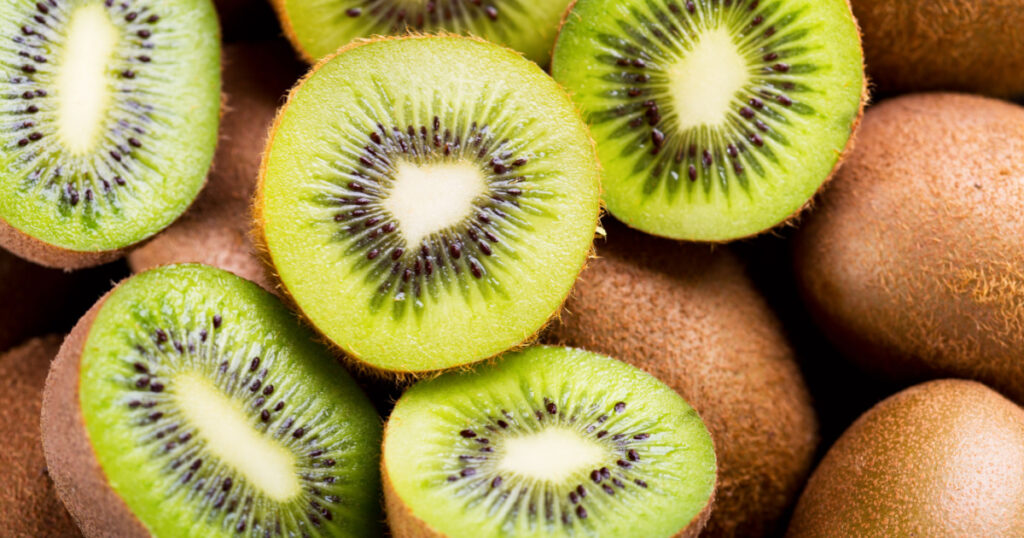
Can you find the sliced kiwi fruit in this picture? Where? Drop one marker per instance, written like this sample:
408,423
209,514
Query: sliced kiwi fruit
111,110
188,402
714,119
428,201
317,28
548,441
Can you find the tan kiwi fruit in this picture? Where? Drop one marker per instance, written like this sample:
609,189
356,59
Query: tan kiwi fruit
29,294
28,501
215,231
945,458
963,45
690,316
913,263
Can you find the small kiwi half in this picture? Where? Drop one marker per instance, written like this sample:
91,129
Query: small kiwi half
547,442
111,111
428,201
714,119
189,403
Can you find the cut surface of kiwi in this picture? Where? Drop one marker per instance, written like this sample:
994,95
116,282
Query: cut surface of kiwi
317,27
547,442
428,201
714,119
189,402
110,112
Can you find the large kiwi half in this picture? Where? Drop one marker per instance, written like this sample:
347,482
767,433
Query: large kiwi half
714,119
428,201
110,110
547,442
188,402
318,28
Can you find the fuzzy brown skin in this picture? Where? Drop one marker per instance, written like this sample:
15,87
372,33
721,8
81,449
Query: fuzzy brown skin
53,256
28,502
691,317
28,294
945,458
77,475
215,231
963,45
914,261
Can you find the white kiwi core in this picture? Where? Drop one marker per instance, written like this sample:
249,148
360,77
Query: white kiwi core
552,454
427,198
83,89
230,437
705,81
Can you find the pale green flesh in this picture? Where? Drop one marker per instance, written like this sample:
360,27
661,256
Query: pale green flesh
111,123
782,151
497,292
550,418
209,411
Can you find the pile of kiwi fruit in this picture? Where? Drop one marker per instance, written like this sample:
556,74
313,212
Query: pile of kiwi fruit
512,268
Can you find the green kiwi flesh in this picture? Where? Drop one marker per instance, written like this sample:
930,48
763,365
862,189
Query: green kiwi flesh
189,402
428,201
548,441
111,114
714,120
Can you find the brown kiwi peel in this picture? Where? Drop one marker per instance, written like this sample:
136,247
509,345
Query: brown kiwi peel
53,256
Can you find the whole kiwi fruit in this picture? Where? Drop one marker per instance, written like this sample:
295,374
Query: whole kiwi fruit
690,316
913,262
962,45
945,458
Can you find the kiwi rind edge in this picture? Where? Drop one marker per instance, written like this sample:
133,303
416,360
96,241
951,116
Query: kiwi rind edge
53,256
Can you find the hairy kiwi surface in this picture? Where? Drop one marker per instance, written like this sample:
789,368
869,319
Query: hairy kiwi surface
216,229
547,442
691,317
110,114
428,201
28,503
188,402
714,120
945,458
914,261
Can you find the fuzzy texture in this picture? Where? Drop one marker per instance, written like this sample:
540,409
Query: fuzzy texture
28,293
215,231
691,317
963,45
28,501
914,262
52,256
945,458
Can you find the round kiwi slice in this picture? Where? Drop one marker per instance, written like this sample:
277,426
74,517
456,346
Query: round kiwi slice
318,28
111,112
428,201
549,441
714,119
188,402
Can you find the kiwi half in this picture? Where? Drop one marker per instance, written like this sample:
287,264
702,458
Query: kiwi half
317,28
188,402
714,119
428,201
547,442
111,114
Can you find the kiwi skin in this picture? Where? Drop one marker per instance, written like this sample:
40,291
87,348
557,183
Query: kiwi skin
945,458
913,263
691,317
28,502
215,231
53,256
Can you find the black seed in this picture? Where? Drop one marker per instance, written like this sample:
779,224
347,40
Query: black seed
608,489
279,406
28,68
746,113
573,498
353,12
35,136
373,254
640,483
469,471
692,171
690,6
706,158
152,19
142,382
475,269
141,368
496,482
143,58
771,56
161,336
618,483
602,433
624,464
620,407
298,433
131,16
731,150
632,455
492,12
452,478
156,387
595,475
552,409
468,434
32,109
185,437
268,390
757,20
785,101
582,491
641,436
455,250
255,386
196,464
144,33
658,138
134,403
581,512
128,73
781,67
120,181
503,424
265,415
156,416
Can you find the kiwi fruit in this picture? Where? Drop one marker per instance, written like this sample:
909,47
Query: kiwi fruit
548,441
216,229
317,28
189,403
913,263
691,317
112,109
28,503
962,45
427,201
945,458
714,120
